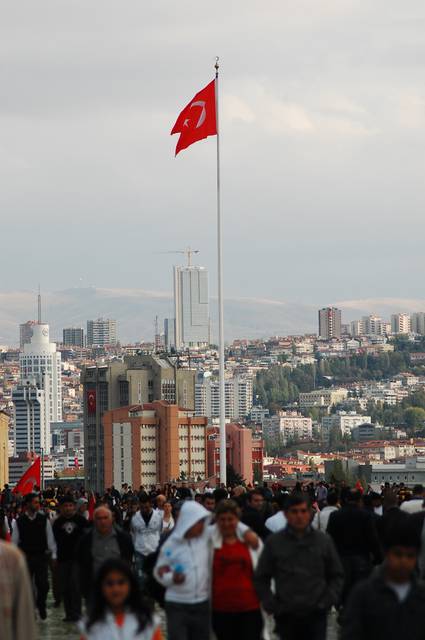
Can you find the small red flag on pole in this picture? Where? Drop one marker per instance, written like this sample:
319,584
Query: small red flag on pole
30,478
198,120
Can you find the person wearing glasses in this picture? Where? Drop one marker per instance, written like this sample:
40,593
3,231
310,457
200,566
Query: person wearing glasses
307,572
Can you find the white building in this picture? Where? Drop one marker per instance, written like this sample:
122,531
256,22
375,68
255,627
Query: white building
344,421
400,323
101,332
32,428
238,395
322,398
191,307
40,361
285,426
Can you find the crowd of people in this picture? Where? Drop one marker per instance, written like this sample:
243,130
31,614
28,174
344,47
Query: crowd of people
251,563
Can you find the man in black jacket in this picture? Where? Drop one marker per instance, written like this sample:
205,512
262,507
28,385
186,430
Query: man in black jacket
68,529
307,573
390,605
254,514
355,536
103,542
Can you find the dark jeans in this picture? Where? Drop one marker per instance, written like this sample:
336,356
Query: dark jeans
38,567
356,568
188,621
229,626
69,589
309,627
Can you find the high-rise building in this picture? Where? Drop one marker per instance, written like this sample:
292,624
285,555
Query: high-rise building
418,323
169,334
286,426
191,307
153,443
369,326
4,448
238,397
32,427
136,380
244,452
73,337
25,332
101,332
329,323
400,323
41,363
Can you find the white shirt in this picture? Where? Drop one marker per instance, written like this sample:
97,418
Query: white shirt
413,505
146,536
277,522
51,542
321,518
401,590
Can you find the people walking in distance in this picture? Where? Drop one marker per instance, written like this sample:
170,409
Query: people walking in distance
307,573
355,536
390,604
118,610
416,502
235,605
167,518
321,518
254,514
34,536
277,522
68,529
104,542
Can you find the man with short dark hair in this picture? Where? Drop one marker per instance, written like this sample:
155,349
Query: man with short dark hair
145,529
307,573
208,502
390,604
34,536
253,514
68,529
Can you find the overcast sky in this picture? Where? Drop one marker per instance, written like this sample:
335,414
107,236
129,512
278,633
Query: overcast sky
323,145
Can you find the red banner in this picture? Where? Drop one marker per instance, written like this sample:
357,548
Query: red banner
91,402
31,477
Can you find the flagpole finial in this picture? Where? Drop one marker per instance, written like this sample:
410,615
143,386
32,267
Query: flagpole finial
216,66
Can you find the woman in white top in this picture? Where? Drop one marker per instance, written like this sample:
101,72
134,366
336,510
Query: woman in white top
167,518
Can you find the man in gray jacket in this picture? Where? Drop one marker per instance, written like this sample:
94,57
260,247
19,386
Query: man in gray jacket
307,572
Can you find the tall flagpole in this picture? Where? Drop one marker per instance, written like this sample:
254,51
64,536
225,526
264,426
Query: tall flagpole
222,395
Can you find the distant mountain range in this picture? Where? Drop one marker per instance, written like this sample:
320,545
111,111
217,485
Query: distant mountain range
135,311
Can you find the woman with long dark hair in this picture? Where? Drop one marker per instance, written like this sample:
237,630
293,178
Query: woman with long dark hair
118,609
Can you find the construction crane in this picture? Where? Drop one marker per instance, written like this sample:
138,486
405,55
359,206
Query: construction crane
186,252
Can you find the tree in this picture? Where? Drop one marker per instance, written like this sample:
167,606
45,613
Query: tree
233,478
414,417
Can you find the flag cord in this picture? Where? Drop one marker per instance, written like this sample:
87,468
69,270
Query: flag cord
221,365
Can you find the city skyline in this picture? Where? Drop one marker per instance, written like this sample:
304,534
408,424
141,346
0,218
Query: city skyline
318,148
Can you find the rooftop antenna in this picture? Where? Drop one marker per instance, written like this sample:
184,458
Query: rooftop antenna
39,305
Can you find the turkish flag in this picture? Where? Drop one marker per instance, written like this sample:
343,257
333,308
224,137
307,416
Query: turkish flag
31,477
198,120
91,402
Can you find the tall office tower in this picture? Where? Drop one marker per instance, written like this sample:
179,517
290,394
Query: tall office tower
238,397
40,361
191,307
169,333
101,332
329,323
418,323
73,337
32,427
400,323
25,332
136,380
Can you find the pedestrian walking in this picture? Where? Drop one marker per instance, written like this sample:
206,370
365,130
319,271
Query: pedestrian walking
235,604
306,570
34,536
17,621
145,529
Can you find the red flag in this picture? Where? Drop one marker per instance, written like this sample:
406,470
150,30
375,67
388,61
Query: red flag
198,119
91,402
31,477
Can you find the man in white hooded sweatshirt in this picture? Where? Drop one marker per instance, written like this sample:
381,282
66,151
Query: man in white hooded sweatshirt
183,568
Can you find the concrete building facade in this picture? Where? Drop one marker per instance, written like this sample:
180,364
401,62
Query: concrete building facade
238,397
4,449
152,443
73,337
286,426
191,307
101,332
135,380
329,323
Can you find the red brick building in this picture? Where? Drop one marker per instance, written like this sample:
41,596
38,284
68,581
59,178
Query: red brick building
243,451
